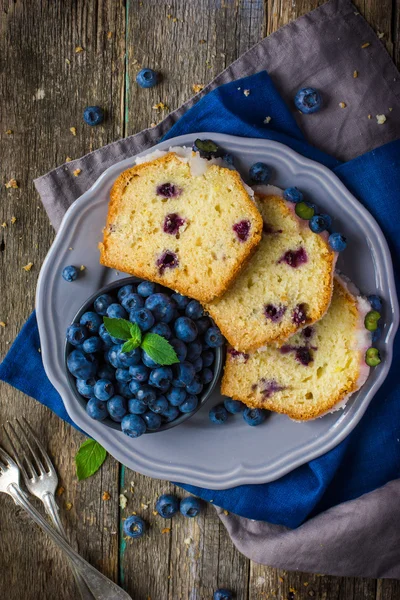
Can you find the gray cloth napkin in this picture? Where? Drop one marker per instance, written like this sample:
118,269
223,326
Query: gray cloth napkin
322,49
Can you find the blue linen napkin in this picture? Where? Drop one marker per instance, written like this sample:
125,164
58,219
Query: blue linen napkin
370,456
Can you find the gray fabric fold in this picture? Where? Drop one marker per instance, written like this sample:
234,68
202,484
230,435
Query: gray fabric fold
321,49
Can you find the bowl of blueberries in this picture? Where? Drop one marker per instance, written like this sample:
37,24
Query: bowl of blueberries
141,358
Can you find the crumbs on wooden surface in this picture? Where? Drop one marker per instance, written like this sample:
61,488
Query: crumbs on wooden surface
68,505
12,184
342,104
197,87
380,35
106,496
3,324
67,61
73,130
355,74
145,506
281,579
68,159
9,132
188,541
13,220
160,106
60,490
306,584
246,92
365,45
152,125
4,225
267,120
78,49
166,530
77,172
28,267
123,501
109,35
381,119
155,513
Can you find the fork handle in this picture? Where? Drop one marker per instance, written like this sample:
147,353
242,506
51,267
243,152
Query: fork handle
102,588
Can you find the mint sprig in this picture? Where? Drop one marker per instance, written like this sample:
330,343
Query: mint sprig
89,459
157,347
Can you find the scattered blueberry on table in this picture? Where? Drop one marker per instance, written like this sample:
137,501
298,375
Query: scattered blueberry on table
308,100
70,273
134,526
190,507
222,594
254,416
167,505
218,414
146,78
93,115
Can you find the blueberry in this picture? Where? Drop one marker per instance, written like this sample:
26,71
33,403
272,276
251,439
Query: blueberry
133,425
117,408
254,416
158,405
148,361
170,414
143,317
92,321
137,407
125,291
218,414
375,302
102,303
206,148
318,224
206,376
139,373
146,393
93,115
260,173
92,344
213,337
146,78
167,506
153,421
337,242
189,404
181,301
116,311
196,387
76,334
372,357
162,307
222,594
208,357
184,374
234,406
103,389
308,100
180,348
123,375
304,210
185,329
80,365
97,409
228,158
146,288
292,194
70,273
114,356
129,359
194,310
203,324
134,386
134,526
328,221
132,302
176,395
124,389
161,378
194,350
85,387
198,364
105,336
190,507
162,329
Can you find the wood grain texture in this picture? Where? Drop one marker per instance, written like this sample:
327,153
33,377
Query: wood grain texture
44,86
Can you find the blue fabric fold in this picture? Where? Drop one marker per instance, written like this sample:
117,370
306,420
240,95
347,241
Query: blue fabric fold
370,456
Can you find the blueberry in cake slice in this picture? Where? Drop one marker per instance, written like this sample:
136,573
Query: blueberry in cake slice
315,371
181,220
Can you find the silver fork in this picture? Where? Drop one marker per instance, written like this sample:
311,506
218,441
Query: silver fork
42,483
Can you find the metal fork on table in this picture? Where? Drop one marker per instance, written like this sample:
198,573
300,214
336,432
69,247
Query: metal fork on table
41,480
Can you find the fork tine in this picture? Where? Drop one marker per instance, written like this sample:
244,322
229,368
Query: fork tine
8,461
36,458
45,456
19,462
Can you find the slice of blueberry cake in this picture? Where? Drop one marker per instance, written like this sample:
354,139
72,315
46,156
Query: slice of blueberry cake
183,221
286,286
315,371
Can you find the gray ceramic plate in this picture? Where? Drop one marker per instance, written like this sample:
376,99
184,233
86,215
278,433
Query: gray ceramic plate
198,452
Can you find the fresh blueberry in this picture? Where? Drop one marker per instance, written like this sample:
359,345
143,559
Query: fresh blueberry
132,302
117,408
161,378
76,334
190,507
328,220
218,414
105,336
185,329
208,357
167,506
70,273
92,321
148,361
146,288
133,425
308,100
213,337
85,387
228,158
234,406
318,224
125,291
92,344
153,421
134,386
337,242
292,194
180,348
162,307
222,594
170,414
194,310
206,148
103,389
162,329
376,335
129,359
124,389
196,387
123,375
260,173
254,416
189,404
158,405
181,301
146,393
114,356
97,409
137,407
139,373
193,350
184,374
102,303
375,302
80,365
93,115
134,526
106,372
198,364
143,317
203,324
146,78
305,210
206,376
116,311
176,395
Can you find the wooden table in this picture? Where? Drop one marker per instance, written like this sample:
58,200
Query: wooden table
45,84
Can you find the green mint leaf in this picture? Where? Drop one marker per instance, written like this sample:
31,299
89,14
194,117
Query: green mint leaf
130,345
136,334
118,328
159,349
89,459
